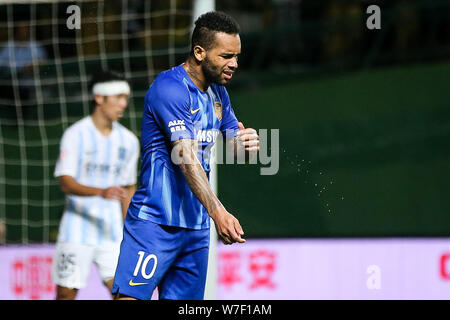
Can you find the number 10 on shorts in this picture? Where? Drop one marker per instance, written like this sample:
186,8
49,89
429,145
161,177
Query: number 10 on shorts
143,265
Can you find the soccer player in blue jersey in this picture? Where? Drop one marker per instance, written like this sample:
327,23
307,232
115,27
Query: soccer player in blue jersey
166,231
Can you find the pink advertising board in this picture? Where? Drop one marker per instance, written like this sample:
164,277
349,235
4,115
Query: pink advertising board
397,268
274,269
25,274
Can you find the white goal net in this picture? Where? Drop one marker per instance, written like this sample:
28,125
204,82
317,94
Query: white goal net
45,89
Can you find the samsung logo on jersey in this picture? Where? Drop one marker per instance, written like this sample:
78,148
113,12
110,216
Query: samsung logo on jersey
207,135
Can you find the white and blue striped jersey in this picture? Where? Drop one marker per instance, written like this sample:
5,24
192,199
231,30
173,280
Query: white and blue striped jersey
95,160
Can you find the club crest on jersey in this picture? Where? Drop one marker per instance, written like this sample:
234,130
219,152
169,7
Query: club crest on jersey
218,109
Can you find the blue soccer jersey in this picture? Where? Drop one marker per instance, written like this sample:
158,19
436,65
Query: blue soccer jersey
175,108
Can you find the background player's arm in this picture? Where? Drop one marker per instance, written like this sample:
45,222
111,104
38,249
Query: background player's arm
129,192
69,185
227,225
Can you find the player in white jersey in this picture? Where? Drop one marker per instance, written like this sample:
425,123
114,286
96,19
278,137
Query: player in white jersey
97,170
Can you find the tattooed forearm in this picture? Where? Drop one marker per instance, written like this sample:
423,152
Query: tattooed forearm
196,176
198,182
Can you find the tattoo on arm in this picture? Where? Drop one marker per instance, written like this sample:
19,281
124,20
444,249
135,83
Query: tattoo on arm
196,176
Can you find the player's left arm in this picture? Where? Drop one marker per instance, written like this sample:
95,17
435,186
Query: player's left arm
246,139
241,140
244,144
128,177
129,192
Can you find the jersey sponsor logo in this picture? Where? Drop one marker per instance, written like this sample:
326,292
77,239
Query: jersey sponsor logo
177,125
209,136
89,152
218,109
95,167
194,111
104,169
131,283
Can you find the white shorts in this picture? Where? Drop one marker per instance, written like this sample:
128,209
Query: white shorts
72,263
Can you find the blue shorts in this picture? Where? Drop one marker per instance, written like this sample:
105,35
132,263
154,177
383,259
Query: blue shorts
173,259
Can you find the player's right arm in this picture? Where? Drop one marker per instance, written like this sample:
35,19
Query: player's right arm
69,185
227,226
67,167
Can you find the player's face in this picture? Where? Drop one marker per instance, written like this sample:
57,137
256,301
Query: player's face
114,106
221,60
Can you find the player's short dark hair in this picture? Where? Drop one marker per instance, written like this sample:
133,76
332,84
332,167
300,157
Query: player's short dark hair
105,76
208,24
